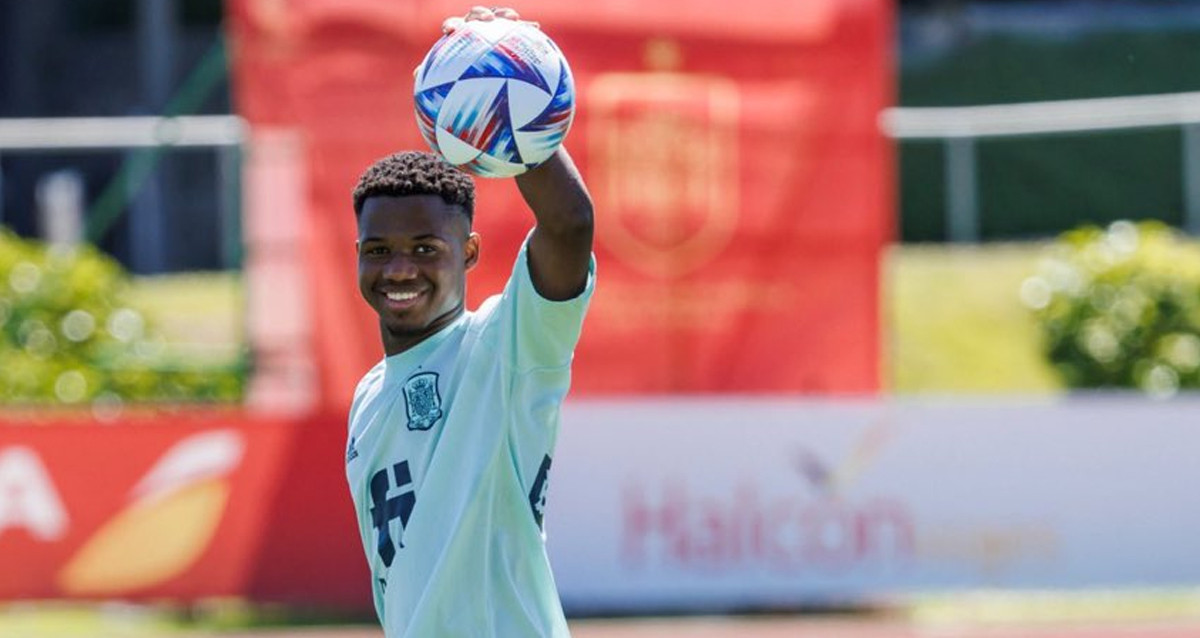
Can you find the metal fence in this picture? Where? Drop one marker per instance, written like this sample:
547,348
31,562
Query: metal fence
142,141
959,128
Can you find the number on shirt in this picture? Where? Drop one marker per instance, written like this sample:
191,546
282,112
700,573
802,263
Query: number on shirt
385,509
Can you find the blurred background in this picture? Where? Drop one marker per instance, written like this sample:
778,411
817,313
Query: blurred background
899,300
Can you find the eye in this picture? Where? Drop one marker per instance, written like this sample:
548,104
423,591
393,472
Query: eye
424,249
375,250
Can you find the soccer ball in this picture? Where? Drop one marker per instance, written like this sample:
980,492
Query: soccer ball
495,98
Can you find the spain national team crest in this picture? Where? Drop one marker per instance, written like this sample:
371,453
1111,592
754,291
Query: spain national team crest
664,163
422,402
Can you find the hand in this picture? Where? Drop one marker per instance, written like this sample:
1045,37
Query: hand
484,14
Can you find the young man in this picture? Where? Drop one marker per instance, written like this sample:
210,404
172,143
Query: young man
452,434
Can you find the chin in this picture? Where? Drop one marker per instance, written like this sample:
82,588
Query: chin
404,328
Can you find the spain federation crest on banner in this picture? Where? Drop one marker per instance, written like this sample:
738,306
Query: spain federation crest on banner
422,403
663,151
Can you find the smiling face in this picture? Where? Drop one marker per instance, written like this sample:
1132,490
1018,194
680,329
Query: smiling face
414,252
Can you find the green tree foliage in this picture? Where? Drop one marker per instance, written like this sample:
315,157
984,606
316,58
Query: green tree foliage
69,337
1120,308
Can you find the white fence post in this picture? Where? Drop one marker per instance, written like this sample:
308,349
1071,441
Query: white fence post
962,201
1191,178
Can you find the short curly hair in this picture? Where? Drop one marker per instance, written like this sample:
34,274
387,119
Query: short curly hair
415,173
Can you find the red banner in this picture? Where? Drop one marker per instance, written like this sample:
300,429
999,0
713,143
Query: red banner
134,510
743,189
180,506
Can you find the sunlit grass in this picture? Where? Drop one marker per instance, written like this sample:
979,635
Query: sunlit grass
203,618
200,315
80,620
954,323
1027,608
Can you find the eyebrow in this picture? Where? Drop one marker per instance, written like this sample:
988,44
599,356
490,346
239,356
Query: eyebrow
422,237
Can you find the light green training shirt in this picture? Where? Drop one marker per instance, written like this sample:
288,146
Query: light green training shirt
448,456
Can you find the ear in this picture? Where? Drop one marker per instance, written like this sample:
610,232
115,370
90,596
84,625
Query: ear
471,251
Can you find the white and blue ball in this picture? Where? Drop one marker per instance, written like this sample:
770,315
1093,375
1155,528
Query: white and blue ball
495,98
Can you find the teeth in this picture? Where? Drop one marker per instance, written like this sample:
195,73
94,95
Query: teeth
401,296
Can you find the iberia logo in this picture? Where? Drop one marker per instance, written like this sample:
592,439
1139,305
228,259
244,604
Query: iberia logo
170,519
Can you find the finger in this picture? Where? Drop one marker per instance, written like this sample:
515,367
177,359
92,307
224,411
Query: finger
451,24
481,13
506,13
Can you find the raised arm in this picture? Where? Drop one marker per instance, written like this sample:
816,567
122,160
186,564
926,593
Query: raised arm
560,249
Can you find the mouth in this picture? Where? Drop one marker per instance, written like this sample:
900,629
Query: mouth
396,300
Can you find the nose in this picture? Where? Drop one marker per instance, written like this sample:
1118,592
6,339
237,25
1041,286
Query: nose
399,268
